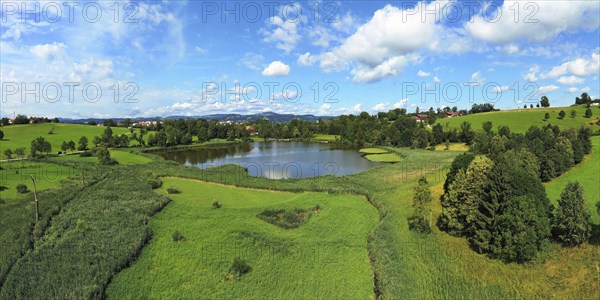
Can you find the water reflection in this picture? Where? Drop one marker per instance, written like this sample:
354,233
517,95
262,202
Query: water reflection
278,160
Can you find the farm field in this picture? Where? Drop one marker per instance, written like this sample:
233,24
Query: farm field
587,175
520,120
324,258
16,136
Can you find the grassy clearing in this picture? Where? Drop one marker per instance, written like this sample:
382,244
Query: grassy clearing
587,173
521,119
373,151
385,158
47,176
128,158
326,137
324,258
452,147
16,136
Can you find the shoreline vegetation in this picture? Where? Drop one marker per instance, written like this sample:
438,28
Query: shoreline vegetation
101,224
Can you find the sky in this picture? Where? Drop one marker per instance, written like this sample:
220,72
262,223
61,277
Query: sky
106,59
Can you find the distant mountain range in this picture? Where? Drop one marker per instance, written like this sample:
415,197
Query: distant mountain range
271,116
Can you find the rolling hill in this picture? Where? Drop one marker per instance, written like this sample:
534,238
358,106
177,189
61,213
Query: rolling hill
520,120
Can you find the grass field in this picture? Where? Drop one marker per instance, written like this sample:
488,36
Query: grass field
16,136
325,258
326,137
521,119
380,155
47,175
453,147
588,175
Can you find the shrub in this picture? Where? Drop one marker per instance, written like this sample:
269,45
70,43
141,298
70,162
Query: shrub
85,154
173,190
81,225
21,188
177,236
287,219
419,224
216,204
154,182
238,268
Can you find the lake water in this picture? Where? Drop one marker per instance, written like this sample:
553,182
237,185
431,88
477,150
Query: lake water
278,160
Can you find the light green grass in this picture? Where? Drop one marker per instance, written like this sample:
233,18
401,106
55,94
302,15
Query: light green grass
16,136
325,258
373,151
453,147
588,175
326,137
124,157
385,158
520,120
47,176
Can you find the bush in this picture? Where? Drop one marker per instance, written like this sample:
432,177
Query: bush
21,188
238,268
154,182
81,225
419,224
287,219
216,204
177,236
173,190
85,154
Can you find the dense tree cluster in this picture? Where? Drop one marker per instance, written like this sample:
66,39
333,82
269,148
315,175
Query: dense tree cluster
495,196
555,151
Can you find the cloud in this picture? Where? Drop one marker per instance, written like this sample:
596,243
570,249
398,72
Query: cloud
422,73
578,67
199,49
252,61
477,77
573,90
283,33
538,21
532,74
547,89
276,68
306,59
570,80
48,51
436,79
390,40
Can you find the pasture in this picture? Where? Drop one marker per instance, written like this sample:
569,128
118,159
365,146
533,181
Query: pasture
519,120
325,258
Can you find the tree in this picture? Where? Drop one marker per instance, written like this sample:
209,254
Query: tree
71,145
8,154
20,152
546,116
588,113
21,119
545,102
107,136
573,113
530,105
40,144
572,224
487,127
466,134
460,204
561,114
83,143
419,220
461,162
96,141
1,135
525,106
104,156
537,105
64,146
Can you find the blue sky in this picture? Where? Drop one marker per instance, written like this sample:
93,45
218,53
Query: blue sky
319,57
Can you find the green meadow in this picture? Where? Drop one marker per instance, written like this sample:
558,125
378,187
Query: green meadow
16,136
380,155
587,174
325,258
107,234
519,120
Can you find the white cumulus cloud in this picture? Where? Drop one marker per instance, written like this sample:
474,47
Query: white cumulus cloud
276,68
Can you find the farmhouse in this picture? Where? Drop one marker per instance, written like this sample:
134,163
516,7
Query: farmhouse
420,118
452,114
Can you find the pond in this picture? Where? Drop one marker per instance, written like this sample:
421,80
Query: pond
278,160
